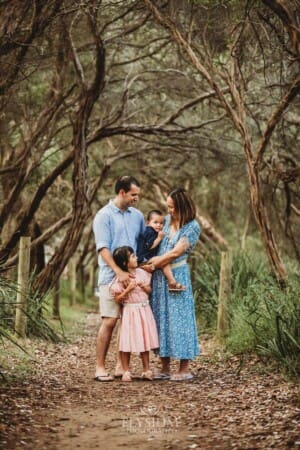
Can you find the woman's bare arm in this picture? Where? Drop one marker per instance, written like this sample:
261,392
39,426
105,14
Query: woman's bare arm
163,260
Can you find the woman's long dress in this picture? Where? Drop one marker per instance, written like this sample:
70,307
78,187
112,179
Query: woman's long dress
174,312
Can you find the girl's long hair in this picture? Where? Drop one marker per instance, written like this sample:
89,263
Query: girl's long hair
121,256
184,205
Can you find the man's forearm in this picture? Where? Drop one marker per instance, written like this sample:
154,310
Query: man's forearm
108,259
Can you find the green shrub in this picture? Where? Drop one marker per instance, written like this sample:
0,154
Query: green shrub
37,324
245,270
267,319
262,316
206,286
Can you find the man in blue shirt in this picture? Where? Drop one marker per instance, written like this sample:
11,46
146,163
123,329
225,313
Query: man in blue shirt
116,224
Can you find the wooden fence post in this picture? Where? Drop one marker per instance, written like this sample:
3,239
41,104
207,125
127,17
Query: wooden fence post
224,295
23,276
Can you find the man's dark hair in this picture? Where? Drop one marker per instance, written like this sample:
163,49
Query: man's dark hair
152,212
125,183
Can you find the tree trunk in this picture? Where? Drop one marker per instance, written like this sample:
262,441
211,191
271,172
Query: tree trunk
262,220
82,282
56,301
236,111
72,281
80,211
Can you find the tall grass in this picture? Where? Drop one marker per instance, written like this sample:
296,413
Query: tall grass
37,323
262,316
17,355
267,319
206,286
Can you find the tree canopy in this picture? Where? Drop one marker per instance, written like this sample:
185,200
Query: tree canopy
202,94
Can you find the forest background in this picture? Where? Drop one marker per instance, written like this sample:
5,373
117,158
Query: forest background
201,94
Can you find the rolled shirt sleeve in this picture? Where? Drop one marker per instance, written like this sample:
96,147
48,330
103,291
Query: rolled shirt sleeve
102,231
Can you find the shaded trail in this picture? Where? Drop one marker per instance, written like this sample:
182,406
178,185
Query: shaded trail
226,406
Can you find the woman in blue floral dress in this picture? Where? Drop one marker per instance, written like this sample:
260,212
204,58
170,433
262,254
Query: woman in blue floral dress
174,312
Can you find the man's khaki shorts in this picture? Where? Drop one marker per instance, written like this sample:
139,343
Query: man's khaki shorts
107,304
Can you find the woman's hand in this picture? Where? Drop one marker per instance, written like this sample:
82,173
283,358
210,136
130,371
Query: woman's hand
145,286
148,267
155,262
161,261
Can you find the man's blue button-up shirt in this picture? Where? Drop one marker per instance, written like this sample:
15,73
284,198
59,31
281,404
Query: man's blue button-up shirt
114,228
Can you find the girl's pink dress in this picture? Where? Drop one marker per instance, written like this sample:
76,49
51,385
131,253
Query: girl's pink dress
138,331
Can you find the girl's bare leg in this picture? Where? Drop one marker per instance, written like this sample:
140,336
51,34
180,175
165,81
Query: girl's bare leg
145,361
125,359
147,373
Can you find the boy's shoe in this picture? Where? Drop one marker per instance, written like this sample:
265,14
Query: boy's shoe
177,287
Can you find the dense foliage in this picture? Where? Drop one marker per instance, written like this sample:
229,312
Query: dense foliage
123,95
37,323
201,94
263,317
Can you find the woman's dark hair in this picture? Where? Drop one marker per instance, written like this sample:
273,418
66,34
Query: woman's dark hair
184,205
125,183
121,256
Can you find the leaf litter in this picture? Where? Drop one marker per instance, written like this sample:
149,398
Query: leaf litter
223,407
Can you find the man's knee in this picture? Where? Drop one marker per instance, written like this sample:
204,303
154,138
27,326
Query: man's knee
109,323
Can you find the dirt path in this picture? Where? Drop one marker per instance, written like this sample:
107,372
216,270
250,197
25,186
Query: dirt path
226,406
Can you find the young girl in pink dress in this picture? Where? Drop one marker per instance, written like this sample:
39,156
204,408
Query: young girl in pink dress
138,332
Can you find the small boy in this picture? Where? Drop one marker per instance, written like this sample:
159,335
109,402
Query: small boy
148,246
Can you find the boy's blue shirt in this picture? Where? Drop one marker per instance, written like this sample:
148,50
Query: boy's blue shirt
144,251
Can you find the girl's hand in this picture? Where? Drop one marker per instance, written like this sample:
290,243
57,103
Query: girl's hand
132,284
122,295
